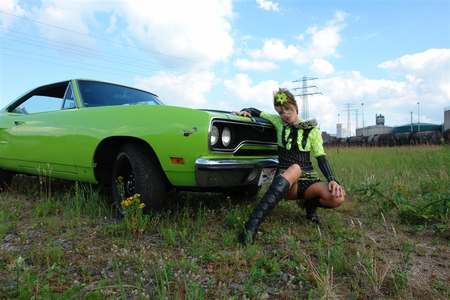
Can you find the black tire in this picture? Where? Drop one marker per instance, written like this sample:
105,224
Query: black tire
5,179
141,174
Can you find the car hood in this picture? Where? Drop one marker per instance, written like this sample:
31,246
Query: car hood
230,115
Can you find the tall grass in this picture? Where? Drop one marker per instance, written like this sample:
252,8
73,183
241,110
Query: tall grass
411,182
388,241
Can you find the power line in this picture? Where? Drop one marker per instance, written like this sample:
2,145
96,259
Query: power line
100,55
105,61
101,39
85,52
75,49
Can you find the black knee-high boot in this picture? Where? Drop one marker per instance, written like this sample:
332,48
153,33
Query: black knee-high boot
311,206
279,187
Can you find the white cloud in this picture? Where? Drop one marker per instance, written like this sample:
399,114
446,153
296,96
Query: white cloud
324,40
268,5
419,61
427,71
11,8
245,64
112,24
395,99
343,95
186,90
67,23
319,43
274,50
243,93
300,37
181,29
176,33
321,67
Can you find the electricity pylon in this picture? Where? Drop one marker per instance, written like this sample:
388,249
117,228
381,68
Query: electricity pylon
349,109
304,94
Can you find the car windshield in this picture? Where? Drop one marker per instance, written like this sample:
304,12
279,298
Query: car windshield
105,94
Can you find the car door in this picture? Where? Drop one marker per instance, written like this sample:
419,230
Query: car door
40,136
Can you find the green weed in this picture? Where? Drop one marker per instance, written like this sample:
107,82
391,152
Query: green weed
65,242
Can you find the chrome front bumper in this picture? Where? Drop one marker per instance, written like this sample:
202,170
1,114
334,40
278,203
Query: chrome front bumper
225,173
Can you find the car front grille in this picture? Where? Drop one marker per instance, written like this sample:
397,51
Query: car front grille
255,138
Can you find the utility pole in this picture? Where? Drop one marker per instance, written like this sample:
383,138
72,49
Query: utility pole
418,116
356,112
304,94
411,123
362,111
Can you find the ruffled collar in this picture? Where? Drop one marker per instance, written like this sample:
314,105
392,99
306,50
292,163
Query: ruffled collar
302,124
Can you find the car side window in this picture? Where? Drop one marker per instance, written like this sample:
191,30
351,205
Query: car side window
38,104
69,99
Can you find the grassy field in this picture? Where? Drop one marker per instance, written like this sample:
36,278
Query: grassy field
390,239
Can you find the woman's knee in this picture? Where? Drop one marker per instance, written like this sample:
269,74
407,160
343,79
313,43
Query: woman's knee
295,169
338,201
292,173
332,201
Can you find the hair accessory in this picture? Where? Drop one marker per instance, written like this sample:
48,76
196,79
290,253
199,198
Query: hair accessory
281,98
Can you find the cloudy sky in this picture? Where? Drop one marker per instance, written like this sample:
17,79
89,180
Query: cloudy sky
229,54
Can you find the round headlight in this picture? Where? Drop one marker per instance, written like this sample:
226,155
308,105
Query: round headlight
226,136
214,135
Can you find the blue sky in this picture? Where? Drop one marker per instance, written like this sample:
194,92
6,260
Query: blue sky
228,54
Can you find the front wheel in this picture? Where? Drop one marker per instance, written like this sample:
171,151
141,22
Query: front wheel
5,179
137,171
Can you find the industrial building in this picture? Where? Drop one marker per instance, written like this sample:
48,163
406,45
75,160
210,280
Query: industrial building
381,135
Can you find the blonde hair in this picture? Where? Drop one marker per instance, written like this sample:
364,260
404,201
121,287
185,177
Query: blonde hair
291,102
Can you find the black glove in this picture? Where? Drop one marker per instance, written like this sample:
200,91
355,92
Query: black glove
326,169
253,111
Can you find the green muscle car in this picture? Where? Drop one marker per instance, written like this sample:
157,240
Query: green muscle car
114,135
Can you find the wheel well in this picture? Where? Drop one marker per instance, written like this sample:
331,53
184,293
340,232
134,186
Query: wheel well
106,153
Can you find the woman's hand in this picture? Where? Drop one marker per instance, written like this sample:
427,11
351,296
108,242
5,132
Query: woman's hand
242,113
335,189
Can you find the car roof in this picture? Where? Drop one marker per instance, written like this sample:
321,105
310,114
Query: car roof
57,89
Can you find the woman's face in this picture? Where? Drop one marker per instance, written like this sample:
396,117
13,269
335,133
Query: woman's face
287,113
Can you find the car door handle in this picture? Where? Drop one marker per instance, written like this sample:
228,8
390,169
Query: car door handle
18,123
